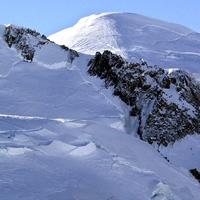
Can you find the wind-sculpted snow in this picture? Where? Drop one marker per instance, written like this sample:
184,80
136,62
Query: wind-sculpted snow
166,105
51,159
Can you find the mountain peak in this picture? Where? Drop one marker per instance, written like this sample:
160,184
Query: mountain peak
133,36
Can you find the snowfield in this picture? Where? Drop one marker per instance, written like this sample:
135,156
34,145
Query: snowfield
64,136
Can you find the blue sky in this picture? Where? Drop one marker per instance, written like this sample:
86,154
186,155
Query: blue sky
49,16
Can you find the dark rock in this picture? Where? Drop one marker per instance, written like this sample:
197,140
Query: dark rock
195,173
166,105
27,41
19,38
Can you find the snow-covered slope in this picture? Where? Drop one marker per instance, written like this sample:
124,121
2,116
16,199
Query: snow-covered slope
134,37
62,134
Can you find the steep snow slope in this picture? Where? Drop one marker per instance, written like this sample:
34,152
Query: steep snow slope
134,37
62,134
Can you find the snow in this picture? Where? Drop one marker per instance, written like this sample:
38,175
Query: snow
62,136
84,150
52,57
56,148
118,125
171,96
184,153
14,151
135,37
171,70
163,192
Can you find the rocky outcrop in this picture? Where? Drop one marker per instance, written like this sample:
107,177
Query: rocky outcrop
165,104
22,40
195,173
27,41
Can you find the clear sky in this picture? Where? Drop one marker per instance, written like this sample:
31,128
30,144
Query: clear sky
50,16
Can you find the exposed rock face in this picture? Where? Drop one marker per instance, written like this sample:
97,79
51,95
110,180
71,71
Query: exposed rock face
196,174
165,104
22,39
27,41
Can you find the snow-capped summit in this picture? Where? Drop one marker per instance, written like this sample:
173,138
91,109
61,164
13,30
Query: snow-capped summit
117,32
134,36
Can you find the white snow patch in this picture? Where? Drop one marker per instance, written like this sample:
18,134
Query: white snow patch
170,70
84,150
12,151
56,148
118,125
172,96
163,192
